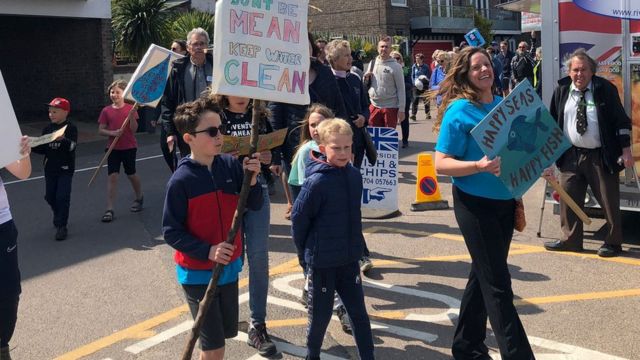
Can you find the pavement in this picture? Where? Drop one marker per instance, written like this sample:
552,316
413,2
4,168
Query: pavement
109,291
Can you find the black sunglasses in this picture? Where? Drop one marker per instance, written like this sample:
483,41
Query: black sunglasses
212,131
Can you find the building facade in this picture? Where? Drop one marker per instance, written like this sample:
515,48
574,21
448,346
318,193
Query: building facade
429,24
56,48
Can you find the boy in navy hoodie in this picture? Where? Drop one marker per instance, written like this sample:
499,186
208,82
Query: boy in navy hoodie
59,164
327,230
201,199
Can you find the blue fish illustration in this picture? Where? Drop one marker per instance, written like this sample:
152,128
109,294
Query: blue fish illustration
523,134
150,86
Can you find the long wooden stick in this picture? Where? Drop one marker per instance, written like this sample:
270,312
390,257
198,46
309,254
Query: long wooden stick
569,201
113,144
235,227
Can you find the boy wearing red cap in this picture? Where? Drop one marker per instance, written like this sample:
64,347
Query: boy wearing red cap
59,164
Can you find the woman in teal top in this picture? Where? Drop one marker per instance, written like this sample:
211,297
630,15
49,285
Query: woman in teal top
484,210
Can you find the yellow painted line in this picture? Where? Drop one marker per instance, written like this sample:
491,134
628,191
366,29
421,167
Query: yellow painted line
271,324
531,248
578,297
142,330
128,333
443,258
392,315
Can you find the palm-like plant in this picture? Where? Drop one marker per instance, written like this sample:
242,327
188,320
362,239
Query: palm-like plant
139,23
186,21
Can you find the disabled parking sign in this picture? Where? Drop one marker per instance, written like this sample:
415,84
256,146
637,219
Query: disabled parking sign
380,180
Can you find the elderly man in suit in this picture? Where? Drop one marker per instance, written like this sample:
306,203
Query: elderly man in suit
588,109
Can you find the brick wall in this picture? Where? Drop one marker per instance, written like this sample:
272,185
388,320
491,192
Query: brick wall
348,17
46,57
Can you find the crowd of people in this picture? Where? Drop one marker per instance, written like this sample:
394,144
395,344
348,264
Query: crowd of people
320,162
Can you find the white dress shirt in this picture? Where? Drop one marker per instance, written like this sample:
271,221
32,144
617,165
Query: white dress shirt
591,138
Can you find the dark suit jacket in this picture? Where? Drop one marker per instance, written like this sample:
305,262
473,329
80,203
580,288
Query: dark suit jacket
613,122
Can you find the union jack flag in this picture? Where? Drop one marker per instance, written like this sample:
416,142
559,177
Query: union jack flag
386,139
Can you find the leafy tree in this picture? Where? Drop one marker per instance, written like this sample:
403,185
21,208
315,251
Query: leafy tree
184,22
139,23
483,25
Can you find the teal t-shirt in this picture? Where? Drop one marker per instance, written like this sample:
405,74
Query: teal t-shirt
299,163
455,139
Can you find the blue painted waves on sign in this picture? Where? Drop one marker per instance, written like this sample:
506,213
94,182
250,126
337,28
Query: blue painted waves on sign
150,86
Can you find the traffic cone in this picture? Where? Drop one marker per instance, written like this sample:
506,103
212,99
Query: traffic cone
427,189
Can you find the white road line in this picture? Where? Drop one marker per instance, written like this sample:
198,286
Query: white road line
414,334
287,348
159,338
78,170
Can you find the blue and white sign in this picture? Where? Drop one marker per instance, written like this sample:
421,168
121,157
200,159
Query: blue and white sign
474,38
380,180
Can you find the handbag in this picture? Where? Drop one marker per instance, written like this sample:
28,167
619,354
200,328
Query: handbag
369,147
519,220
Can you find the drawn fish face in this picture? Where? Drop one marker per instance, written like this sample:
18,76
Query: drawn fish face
522,135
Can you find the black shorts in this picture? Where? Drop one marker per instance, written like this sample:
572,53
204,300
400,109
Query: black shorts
126,157
9,271
221,321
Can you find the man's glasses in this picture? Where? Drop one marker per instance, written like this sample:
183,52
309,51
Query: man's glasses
212,131
522,47
198,43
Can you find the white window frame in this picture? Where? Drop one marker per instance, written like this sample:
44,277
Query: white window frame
399,3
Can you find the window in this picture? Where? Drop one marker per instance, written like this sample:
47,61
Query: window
399,3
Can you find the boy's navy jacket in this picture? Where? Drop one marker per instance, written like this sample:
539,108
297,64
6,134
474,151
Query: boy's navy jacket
326,219
59,155
199,208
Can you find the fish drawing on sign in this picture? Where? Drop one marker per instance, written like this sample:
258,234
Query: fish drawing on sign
150,86
523,134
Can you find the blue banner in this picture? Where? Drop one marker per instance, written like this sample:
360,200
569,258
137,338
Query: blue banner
522,132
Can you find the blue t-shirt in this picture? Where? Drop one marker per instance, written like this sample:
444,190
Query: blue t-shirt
455,139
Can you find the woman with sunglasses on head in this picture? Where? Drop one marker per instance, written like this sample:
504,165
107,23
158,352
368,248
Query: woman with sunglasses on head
439,74
484,210
236,114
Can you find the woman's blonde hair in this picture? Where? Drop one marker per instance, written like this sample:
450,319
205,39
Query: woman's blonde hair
456,84
336,48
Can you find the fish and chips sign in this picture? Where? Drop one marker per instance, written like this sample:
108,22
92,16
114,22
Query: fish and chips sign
522,132
261,50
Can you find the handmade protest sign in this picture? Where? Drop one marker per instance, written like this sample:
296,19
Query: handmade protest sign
522,132
148,81
47,138
261,50
242,144
474,38
10,144
380,180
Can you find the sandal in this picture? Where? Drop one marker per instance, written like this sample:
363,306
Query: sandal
108,216
137,205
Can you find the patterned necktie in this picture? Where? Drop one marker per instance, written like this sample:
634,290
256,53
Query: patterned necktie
581,114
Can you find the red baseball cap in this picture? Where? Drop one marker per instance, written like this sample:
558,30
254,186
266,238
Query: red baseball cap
60,103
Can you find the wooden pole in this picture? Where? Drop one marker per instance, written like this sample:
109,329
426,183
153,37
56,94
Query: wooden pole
569,201
235,227
113,144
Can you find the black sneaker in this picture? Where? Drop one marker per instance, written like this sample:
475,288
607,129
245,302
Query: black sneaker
304,297
260,340
344,319
608,250
61,233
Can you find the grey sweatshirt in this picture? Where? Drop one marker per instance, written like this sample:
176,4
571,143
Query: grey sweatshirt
387,85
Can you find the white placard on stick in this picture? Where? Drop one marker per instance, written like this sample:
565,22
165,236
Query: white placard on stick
10,144
261,50
147,84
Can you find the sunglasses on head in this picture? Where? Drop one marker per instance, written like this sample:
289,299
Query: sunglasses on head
211,131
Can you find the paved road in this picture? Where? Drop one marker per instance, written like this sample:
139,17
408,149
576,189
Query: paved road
109,291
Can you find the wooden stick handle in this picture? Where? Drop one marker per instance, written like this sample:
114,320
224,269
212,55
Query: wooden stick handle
569,201
112,146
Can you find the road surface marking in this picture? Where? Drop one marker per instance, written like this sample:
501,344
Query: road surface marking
133,331
161,337
288,348
578,297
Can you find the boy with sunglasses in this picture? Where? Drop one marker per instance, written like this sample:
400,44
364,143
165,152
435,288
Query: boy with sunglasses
201,199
